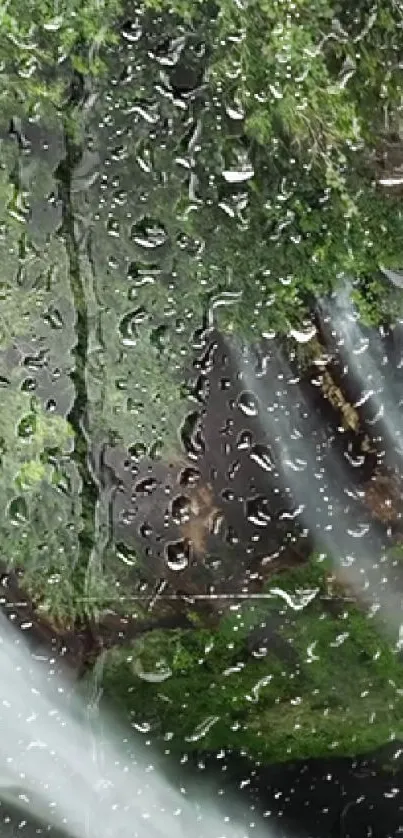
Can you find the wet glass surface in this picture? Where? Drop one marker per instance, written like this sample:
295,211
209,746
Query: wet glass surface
201,453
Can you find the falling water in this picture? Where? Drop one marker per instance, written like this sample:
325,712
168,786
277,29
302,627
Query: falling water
323,498
48,767
365,361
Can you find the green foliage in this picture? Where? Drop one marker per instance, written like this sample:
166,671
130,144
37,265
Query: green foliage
212,694
36,527
131,393
27,434
306,124
278,104
38,40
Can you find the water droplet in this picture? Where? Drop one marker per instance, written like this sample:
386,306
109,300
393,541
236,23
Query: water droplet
145,530
217,523
261,455
189,477
141,274
18,510
127,517
235,112
146,487
132,31
225,383
291,514
27,426
28,385
228,495
159,337
36,362
304,336
149,233
233,469
177,555
113,228
128,328
155,451
55,24
232,538
244,441
248,403
202,729
126,555
181,509
53,318
296,465
360,530
192,436
257,511
136,451
157,675
238,175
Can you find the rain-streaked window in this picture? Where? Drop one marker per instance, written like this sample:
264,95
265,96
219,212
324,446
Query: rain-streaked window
201,404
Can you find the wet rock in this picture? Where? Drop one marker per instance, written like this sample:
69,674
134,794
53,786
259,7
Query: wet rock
384,497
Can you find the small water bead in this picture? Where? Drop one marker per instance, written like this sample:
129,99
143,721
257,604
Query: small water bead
248,403
146,486
261,455
29,385
244,440
181,509
145,530
128,328
149,234
53,318
27,426
18,510
177,555
257,511
137,451
189,477
228,495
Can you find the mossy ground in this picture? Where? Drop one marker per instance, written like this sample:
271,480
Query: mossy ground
343,695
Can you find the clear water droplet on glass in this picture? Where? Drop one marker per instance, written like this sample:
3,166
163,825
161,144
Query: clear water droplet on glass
248,403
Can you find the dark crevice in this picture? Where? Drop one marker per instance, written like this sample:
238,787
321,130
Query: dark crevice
78,415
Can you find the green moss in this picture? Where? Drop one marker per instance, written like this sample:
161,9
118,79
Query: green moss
311,213
342,697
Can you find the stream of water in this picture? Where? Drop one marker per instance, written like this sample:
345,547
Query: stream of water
88,780
366,363
323,497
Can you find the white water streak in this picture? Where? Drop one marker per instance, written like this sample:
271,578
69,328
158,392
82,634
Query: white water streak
365,361
89,780
324,493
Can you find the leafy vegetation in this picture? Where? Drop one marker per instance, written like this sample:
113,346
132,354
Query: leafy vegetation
239,148
41,43
297,98
213,694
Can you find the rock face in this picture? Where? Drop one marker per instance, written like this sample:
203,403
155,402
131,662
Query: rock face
66,652
383,496
220,517
215,517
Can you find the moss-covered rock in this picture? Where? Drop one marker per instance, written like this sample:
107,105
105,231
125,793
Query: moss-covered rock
339,692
